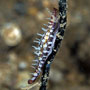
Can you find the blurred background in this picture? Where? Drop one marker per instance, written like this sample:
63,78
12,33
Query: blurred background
20,20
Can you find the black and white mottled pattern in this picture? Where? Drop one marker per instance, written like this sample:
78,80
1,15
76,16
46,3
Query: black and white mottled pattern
59,37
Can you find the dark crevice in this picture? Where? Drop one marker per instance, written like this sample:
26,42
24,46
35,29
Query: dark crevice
74,49
84,67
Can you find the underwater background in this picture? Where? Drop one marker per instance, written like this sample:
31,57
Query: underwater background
20,20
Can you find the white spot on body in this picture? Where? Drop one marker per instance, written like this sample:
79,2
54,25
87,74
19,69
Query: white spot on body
54,50
46,37
45,45
49,62
62,25
40,52
40,58
59,36
39,69
51,30
42,62
44,56
50,26
51,35
33,78
43,40
49,42
40,65
49,23
53,18
48,33
63,16
35,74
45,51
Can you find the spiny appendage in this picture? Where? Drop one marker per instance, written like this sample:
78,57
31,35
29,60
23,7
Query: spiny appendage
53,18
34,77
37,71
44,46
39,61
38,65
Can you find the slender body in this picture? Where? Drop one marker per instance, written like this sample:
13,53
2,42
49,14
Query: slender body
45,44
